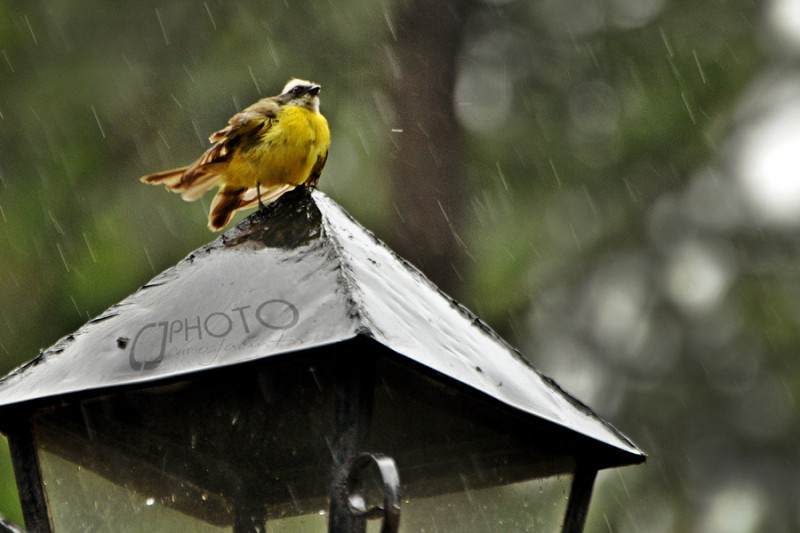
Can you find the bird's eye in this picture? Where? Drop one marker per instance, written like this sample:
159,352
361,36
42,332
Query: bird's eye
297,90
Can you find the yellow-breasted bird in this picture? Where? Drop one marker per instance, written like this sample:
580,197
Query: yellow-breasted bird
271,147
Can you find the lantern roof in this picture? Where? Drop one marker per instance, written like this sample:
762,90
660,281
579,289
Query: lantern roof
297,275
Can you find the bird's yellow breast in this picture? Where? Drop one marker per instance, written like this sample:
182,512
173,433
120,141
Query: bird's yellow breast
284,152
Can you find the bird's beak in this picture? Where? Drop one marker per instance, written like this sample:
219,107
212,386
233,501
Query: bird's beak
314,90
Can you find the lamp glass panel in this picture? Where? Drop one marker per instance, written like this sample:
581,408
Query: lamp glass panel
81,500
534,505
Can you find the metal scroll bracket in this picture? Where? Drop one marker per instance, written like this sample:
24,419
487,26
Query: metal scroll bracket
390,485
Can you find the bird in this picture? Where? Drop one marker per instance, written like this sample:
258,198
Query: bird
267,149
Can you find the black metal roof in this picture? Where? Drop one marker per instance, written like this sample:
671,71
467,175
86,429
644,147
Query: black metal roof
299,274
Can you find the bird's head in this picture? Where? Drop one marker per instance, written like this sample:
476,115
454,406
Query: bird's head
301,93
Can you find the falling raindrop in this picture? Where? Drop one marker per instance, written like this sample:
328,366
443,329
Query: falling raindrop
210,16
99,125
30,29
161,25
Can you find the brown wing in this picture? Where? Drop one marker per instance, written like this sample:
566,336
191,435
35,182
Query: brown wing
246,120
199,177
316,170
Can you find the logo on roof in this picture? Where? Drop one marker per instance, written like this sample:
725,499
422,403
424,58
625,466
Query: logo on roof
215,333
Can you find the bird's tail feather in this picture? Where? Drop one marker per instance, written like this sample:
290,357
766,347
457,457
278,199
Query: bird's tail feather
268,194
227,201
224,204
169,178
200,184
192,183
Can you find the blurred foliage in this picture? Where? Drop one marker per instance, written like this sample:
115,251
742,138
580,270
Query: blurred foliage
606,231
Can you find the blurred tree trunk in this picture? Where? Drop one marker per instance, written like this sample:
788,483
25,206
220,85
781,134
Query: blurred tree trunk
428,179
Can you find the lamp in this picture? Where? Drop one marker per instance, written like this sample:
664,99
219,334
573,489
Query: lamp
296,373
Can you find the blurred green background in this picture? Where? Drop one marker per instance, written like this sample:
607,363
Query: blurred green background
614,185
